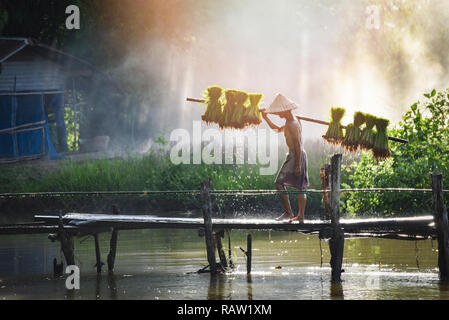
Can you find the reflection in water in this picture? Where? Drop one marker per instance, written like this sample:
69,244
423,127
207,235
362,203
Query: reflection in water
112,286
249,282
336,291
98,287
216,287
154,264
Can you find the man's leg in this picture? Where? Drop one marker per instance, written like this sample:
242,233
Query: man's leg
301,208
288,213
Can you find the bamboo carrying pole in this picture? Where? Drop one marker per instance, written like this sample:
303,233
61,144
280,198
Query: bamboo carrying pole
310,120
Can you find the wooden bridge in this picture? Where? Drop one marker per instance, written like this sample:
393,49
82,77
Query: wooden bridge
334,229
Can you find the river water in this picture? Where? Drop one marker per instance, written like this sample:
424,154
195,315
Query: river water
157,264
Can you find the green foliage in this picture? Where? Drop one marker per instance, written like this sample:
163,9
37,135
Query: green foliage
425,125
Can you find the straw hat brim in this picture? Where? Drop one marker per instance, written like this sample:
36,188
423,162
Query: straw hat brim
281,104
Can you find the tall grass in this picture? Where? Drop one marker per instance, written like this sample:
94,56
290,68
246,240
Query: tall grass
155,171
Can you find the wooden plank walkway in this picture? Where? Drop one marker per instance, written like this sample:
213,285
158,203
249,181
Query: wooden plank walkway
422,226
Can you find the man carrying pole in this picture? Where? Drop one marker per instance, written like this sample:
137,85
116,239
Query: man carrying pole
294,170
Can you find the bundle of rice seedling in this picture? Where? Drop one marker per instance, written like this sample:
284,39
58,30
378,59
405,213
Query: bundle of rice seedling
252,115
334,133
381,149
214,107
228,109
368,133
347,141
239,110
353,133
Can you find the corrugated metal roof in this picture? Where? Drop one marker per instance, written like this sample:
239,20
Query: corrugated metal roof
23,49
37,75
18,48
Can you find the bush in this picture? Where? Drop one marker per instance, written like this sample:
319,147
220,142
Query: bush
425,126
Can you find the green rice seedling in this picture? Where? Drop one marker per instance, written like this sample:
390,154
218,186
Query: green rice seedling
347,142
252,115
214,107
353,133
334,133
368,133
239,110
228,109
381,149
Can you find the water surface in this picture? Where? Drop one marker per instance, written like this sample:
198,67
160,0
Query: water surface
157,264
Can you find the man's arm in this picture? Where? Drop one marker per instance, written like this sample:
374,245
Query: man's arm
270,123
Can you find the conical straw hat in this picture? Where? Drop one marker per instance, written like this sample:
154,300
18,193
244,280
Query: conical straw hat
280,104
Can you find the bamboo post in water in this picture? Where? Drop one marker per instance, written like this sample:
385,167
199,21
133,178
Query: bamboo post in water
67,245
441,224
98,264
324,178
208,233
113,242
249,254
337,241
220,250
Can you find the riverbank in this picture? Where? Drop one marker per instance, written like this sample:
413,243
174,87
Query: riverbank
152,171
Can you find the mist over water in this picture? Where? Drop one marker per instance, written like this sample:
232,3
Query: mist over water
319,54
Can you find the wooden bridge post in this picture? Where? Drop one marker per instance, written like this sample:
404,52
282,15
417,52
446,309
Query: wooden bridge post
337,241
98,264
249,253
441,223
208,233
324,178
113,242
221,254
67,245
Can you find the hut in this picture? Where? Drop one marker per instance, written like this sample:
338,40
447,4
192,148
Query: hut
34,80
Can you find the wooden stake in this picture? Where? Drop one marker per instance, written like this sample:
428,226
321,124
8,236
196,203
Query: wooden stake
231,263
441,224
99,264
113,242
208,233
337,241
249,254
67,246
220,250
324,177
